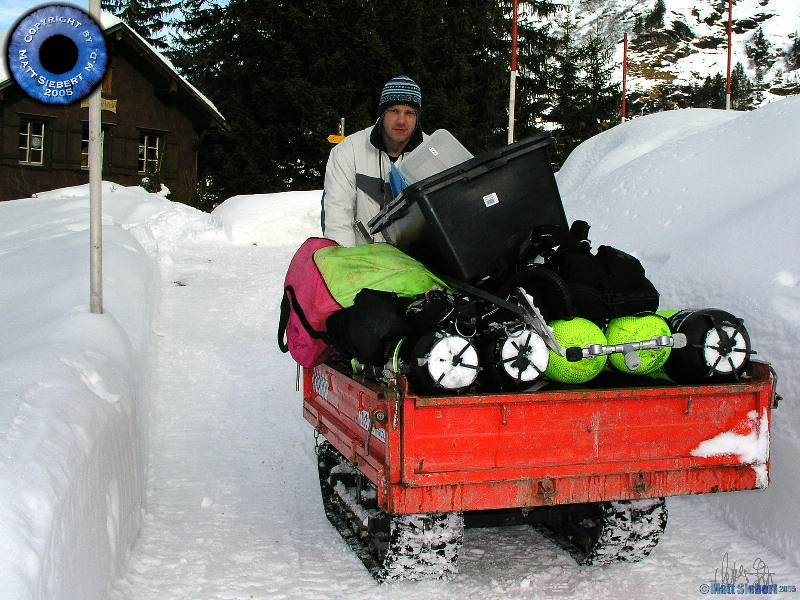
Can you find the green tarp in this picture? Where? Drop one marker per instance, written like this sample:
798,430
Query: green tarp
379,266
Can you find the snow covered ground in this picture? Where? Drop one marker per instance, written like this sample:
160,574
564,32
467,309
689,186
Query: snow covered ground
171,424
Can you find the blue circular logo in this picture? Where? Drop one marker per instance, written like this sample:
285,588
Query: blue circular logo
57,54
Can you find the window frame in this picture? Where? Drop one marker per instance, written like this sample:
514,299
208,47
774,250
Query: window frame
105,139
142,160
28,121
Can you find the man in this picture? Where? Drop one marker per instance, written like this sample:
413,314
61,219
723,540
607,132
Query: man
357,175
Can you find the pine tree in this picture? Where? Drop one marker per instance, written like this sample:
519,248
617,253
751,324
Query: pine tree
148,18
603,92
283,74
711,94
586,101
569,93
759,50
198,49
743,92
793,53
539,43
655,20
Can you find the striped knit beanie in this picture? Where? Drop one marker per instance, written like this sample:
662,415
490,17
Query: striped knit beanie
400,90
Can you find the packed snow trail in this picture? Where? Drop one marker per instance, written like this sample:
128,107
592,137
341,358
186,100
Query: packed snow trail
234,509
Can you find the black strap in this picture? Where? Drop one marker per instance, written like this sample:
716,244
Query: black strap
530,314
283,321
484,295
288,301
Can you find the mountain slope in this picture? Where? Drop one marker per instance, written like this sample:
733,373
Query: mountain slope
686,42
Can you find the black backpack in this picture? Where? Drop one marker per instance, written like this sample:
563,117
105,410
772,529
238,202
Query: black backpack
574,282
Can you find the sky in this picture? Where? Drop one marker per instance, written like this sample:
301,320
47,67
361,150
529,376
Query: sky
12,10
158,450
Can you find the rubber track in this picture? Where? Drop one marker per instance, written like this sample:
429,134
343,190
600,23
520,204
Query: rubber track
426,546
407,547
630,530
607,532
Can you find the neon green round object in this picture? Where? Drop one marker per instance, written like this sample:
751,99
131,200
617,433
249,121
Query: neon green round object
626,330
575,332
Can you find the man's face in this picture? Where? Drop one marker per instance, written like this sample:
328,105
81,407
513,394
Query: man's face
399,123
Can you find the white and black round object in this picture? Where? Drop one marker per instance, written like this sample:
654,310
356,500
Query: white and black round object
440,360
513,359
717,347
57,54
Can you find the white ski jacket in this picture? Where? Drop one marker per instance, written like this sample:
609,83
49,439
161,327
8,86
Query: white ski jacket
357,185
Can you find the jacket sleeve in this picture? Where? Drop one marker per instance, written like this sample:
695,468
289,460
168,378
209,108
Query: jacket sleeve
339,195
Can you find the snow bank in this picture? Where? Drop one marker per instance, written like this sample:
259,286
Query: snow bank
708,201
75,389
285,219
75,385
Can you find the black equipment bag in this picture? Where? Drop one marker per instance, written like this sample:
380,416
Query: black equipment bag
368,330
599,287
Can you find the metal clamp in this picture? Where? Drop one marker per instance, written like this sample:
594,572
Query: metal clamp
547,490
632,360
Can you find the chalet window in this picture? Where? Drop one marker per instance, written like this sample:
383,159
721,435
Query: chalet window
85,146
150,148
31,142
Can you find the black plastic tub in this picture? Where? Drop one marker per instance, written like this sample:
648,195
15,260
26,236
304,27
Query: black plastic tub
470,220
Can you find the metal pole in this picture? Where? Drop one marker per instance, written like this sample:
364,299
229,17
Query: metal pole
95,189
625,76
728,83
512,97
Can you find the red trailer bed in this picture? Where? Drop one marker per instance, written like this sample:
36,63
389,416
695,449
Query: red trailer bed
475,452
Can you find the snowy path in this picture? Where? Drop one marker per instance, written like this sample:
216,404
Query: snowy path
233,502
